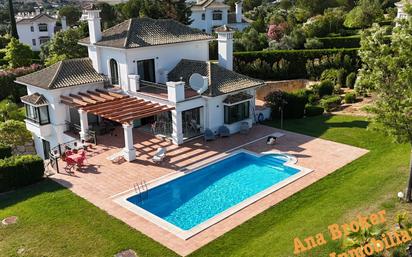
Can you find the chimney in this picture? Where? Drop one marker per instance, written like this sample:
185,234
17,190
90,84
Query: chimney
93,19
64,23
239,13
37,10
225,46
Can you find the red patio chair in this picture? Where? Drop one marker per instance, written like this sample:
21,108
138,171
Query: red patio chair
69,165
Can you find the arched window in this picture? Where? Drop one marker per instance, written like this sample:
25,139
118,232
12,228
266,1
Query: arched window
114,72
217,15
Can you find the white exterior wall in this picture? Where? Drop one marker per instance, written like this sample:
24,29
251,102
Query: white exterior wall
166,58
26,35
208,23
58,113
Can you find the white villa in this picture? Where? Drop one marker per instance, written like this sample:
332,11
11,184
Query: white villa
152,75
35,28
210,14
401,9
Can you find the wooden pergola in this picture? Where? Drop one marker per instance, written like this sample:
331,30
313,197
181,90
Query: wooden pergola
113,106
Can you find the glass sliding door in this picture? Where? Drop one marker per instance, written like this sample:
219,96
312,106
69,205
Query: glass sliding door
192,122
146,70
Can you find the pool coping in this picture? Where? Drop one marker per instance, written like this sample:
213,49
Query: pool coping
121,199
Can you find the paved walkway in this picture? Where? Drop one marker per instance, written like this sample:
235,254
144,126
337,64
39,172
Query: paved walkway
101,181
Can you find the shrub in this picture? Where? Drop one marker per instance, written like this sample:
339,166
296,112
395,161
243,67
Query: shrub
17,171
302,63
330,102
313,43
350,80
9,88
340,42
326,87
311,110
5,151
350,97
294,103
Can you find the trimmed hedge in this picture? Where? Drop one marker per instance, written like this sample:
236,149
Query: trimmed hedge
294,107
329,103
5,151
311,110
341,42
264,64
18,171
350,97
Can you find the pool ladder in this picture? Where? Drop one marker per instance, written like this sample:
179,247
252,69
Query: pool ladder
141,190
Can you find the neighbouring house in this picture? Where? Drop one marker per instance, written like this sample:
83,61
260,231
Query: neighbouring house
151,75
401,9
35,28
210,14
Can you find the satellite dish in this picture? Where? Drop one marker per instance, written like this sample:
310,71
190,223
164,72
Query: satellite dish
198,83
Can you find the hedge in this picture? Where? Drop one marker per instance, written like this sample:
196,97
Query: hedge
18,171
5,151
341,42
264,64
294,107
311,110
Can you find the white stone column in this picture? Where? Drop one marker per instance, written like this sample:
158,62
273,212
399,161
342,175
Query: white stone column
177,135
84,124
129,152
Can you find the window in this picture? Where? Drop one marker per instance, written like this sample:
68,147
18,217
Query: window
217,15
114,72
42,27
237,112
39,115
43,40
31,28
146,70
33,41
203,16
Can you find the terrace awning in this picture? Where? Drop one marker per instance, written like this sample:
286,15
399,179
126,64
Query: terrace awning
114,106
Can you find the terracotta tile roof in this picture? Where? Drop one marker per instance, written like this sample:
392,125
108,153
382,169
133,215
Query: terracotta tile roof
63,74
42,17
35,99
142,32
208,4
221,81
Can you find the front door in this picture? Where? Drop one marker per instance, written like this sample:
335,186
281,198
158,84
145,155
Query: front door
46,149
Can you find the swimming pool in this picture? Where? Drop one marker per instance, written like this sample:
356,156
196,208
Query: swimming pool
190,203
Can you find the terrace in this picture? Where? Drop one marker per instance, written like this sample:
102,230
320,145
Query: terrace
101,181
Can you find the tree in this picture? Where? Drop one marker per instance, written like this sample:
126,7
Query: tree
18,54
108,14
10,111
14,133
364,14
13,28
63,46
72,14
387,70
276,31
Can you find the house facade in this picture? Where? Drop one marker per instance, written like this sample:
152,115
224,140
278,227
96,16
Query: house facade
401,9
210,14
143,74
35,29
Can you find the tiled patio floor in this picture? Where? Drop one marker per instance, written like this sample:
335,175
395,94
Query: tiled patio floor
101,181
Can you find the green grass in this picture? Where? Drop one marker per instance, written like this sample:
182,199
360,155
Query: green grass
55,222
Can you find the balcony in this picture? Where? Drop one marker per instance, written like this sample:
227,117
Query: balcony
37,129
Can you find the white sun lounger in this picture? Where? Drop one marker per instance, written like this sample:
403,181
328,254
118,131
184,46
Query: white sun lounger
159,155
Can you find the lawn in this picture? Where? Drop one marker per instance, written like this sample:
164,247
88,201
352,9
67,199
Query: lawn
55,222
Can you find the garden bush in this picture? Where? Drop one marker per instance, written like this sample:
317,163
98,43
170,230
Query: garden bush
301,63
340,42
18,171
10,89
5,151
294,107
350,97
329,103
326,87
313,43
350,80
312,110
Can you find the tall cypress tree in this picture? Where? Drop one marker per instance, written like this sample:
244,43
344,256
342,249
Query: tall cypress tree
13,28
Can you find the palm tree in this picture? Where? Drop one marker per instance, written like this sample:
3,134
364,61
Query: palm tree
13,28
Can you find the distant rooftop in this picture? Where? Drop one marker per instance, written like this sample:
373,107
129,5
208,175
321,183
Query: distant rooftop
143,32
42,17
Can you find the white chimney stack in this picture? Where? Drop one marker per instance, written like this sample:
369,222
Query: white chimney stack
95,31
239,12
64,23
225,46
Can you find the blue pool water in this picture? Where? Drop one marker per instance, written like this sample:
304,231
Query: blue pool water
194,198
